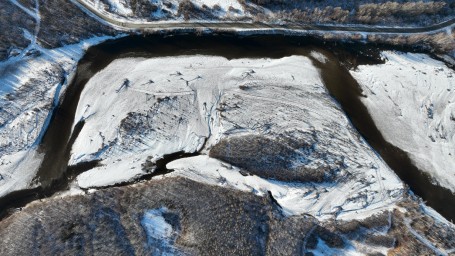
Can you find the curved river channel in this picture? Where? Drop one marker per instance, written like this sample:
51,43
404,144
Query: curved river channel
55,174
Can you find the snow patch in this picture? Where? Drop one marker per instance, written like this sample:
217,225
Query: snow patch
412,101
155,224
321,200
318,56
322,249
225,5
160,233
136,110
43,77
120,7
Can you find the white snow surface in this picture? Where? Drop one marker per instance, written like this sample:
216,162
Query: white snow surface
412,101
173,104
121,10
160,233
155,224
435,215
118,6
30,87
318,56
320,200
322,249
223,4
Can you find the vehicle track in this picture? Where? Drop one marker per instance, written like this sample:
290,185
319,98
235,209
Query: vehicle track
287,27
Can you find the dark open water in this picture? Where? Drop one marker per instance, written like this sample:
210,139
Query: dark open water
54,174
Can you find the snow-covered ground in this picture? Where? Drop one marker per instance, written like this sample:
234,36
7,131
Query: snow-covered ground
30,87
160,233
136,110
412,101
122,10
224,4
352,200
117,6
323,249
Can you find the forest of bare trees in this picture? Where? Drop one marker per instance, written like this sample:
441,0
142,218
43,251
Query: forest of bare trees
357,11
11,37
53,30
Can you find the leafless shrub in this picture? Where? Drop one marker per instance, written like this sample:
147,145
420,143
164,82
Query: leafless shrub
217,8
168,4
360,11
232,9
186,8
372,13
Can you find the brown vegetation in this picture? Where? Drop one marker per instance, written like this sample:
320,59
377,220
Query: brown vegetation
64,23
439,42
275,158
143,8
325,15
186,9
208,220
355,12
375,13
13,22
61,23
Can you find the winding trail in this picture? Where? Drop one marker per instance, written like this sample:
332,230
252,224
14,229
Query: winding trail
287,27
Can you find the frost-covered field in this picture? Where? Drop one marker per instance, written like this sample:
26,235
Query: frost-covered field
136,110
412,101
30,87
